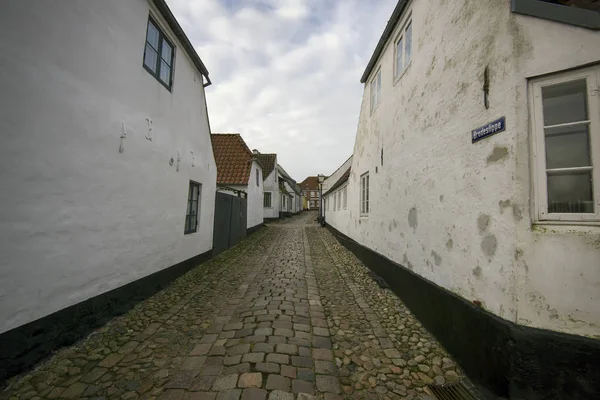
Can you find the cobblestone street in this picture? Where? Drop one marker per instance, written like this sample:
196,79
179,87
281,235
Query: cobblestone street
289,314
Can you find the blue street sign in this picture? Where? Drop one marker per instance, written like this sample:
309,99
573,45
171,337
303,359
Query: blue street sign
487,130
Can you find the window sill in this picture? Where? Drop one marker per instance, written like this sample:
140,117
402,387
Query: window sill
566,226
397,79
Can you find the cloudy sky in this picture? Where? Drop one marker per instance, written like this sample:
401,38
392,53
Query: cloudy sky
286,73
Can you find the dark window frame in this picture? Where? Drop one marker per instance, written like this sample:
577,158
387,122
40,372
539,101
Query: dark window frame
270,197
557,12
161,39
190,207
257,177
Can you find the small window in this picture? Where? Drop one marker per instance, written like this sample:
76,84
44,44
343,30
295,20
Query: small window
376,91
257,177
364,194
334,201
191,216
158,55
403,50
566,127
267,200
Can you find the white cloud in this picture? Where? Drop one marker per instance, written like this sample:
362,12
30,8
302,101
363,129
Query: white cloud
286,72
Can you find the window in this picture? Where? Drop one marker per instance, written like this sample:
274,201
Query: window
345,198
158,55
191,216
403,49
339,199
364,194
257,177
566,135
334,201
267,200
376,91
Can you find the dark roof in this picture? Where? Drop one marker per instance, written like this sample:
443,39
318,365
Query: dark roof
310,183
343,179
187,45
233,157
387,32
267,161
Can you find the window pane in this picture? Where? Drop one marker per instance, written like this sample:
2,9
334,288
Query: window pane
166,52
565,102
165,73
195,192
408,39
568,147
399,50
150,58
570,193
152,35
192,226
189,208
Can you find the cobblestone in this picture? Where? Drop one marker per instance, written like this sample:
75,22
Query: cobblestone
288,314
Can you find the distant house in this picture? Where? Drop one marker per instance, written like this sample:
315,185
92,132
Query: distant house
238,169
106,167
336,197
310,189
271,197
295,204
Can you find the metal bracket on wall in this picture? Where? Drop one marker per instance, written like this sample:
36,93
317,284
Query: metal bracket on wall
149,132
123,136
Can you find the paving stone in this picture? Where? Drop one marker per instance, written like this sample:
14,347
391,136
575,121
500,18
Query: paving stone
305,374
237,369
232,360
328,383
254,394
278,358
264,331
322,354
288,371
211,370
203,383
253,357
320,331
239,349
209,338
279,395
200,396
248,380
171,395
268,367
74,391
233,394
181,380
286,349
278,382
193,363
306,396
299,386
320,342
263,348
325,367
225,383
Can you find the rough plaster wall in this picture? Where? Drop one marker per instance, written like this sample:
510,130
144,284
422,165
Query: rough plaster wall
339,218
271,185
78,218
457,213
255,197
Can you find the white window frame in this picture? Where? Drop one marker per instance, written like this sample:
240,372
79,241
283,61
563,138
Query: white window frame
541,214
334,201
364,194
401,36
345,197
375,90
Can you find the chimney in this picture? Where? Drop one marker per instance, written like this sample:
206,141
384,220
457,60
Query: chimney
255,151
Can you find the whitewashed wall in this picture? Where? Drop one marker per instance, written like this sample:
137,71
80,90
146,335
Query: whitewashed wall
339,219
272,185
78,218
458,213
255,197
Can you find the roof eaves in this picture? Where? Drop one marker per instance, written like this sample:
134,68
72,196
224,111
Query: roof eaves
387,32
187,45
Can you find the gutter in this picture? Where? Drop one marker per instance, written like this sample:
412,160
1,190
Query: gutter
180,34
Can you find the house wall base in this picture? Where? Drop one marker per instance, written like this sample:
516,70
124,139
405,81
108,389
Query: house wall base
511,360
23,347
253,229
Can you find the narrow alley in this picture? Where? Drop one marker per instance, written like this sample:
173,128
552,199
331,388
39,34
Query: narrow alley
287,314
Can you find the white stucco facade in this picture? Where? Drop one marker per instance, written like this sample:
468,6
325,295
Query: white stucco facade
271,185
79,217
339,217
461,214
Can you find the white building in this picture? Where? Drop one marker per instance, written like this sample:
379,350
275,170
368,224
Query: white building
272,198
106,166
336,196
238,169
509,222
294,204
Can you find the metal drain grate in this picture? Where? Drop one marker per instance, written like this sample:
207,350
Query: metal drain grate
452,391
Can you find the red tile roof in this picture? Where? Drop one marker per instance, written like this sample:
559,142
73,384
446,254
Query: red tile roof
233,157
310,183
